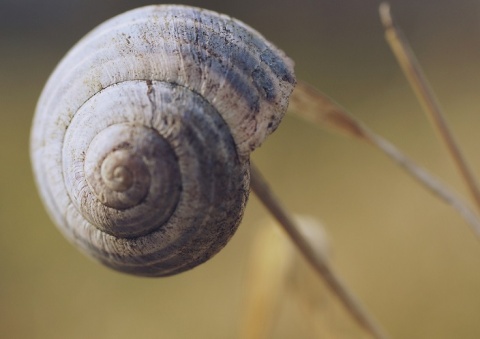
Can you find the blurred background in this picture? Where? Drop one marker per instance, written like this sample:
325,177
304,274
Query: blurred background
410,258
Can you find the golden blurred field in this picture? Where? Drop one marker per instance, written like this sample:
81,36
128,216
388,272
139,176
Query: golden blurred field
410,258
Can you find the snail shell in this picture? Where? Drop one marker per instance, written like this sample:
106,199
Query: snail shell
141,138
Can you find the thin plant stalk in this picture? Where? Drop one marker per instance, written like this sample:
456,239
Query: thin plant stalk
267,276
413,72
315,107
278,274
262,190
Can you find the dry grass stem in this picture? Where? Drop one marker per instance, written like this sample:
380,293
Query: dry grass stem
278,277
313,106
352,305
268,267
413,72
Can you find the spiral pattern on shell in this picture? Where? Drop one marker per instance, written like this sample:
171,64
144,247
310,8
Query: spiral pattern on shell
142,135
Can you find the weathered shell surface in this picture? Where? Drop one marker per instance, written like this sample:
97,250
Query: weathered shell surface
141,138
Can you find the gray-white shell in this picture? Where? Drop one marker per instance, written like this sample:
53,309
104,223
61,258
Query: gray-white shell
141,138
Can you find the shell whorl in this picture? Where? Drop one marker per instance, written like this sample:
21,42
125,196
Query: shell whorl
142,135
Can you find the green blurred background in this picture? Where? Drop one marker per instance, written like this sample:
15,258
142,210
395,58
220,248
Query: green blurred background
408,256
